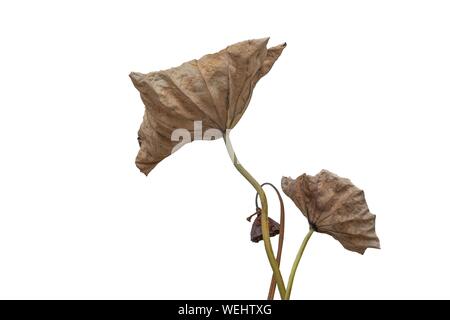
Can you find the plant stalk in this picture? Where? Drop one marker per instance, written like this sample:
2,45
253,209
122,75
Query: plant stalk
273,283
296,262
264,215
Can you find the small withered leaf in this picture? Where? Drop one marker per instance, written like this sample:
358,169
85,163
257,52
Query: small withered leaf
333,205
215,89
256,232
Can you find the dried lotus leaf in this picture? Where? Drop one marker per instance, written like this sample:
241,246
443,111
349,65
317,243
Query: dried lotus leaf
333,205
215,89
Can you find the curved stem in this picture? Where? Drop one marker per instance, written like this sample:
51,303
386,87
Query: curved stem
264,215
296,262
273,283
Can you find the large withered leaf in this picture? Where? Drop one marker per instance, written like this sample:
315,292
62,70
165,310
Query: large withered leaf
333,205
214,89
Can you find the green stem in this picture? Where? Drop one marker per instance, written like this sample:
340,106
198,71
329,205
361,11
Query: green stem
296,262
264,215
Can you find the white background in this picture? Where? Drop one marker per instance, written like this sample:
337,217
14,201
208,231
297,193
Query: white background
362,89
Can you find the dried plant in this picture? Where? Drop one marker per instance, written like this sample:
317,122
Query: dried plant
332,205
203,100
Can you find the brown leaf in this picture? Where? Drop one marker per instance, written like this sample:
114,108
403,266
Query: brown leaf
214,89
333,205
